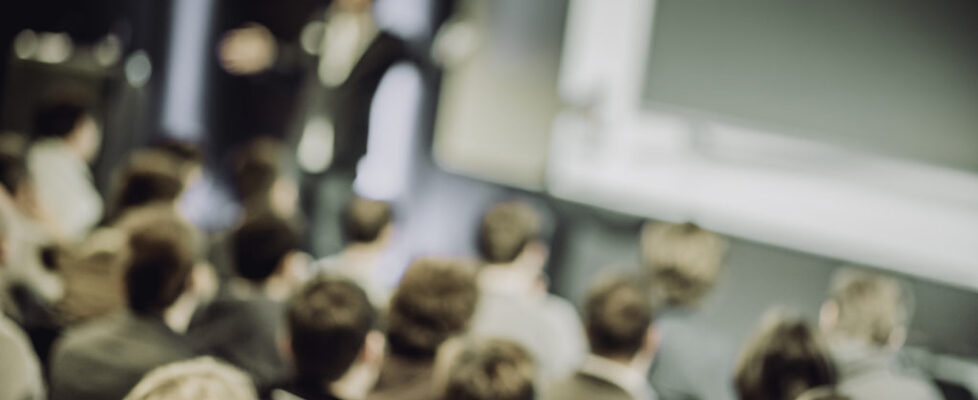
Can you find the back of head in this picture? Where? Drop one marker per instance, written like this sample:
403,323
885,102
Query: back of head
869,306
506,230
148,177
364,220
255,170
329,320
161,256
683,261
434,301
186,156
198,379
617,317
261,244
783,359
490,369
57,119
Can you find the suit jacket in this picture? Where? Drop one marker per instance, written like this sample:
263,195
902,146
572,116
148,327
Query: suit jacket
692,363
404,379
243,332
106,358
867,373
601,379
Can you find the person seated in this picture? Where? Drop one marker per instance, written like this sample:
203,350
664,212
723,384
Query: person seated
20,377
67,140
682,263
261,188
367,229
865,319
196,379
332,342
514,303
31,287
618,320
435,301
93,269
241,326
784,359
105,358
485,369
148,176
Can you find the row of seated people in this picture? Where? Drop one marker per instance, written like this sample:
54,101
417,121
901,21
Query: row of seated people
137,303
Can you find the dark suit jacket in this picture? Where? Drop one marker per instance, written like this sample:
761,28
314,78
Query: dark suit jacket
585,387
243,332
404,379
106,358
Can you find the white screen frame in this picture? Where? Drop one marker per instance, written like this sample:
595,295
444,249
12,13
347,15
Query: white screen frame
670,164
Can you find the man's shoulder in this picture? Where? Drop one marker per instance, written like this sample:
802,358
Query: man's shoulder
582,386
890,385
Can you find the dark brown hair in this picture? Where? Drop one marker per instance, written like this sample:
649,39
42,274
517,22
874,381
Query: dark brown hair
783,359
435,300
617,316
506,229
161,257
364,220
329,320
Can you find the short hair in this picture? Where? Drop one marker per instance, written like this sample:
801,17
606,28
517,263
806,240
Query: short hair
13,172
329,320
491,369
57,119
199,378
506,230
871,305
161,257
784,358
435,300
617,317
255,169
683,261
148,177
260,244
364,220
184,152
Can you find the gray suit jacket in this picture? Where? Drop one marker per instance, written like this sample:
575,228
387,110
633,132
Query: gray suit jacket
692,362
867,374
106,358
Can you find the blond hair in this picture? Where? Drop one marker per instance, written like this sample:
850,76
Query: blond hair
683,260
871,306
202,378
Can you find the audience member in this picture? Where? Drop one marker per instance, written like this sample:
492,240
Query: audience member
514,302
27,240
20,377
683,262
104,359
435,301
618,320
67,140
367,228
198,379
243,325
865,319
335,350
260,182
485,369
784,359
149,176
